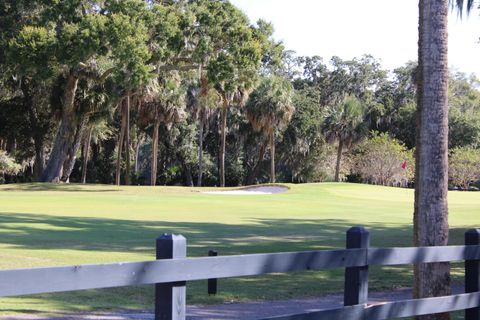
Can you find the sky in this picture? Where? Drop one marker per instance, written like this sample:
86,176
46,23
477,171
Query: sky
386,29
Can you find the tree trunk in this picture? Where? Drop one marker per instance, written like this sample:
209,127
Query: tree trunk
65,133
223,136
187,173
38,135
431,179
86,151
339,159
200,148
127,141
137,152
39,164
69,163
261,154
153,173
121,139
272,156
11,144
188,176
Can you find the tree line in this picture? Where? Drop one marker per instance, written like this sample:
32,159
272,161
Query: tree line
193,93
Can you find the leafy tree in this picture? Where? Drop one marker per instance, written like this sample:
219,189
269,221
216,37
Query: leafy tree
383,160
233,52
344,123
395,105
129,23
76,53
302,149
464,128
464,111
464,166
269,110
27,120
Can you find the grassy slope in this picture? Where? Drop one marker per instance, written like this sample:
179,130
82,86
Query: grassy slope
46,225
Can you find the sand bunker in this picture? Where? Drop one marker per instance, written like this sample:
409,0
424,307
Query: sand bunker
253,190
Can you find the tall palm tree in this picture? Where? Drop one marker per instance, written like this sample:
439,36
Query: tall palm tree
202,102
344,123
431,170
166,106
270,109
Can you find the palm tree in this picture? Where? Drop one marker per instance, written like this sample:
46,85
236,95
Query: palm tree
124,106
344,123
166,106
201,104
431,173
270,109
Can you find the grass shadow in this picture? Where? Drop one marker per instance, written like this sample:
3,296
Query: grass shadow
62,187
49,234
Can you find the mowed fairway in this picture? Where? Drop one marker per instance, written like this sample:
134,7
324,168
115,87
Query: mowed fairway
50,225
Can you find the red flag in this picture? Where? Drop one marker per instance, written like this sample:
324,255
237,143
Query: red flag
404,165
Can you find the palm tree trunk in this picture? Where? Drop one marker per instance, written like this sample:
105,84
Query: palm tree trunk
186,170
121,139
86,151
127,141
339,159
223,136
200,148
153,173
137,152
272,156
65,133
431,180
261,154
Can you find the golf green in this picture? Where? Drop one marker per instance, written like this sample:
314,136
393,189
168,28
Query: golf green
51,225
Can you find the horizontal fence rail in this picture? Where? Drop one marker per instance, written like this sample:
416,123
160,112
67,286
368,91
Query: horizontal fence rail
94,276
43,280
56,279
389,310
172,269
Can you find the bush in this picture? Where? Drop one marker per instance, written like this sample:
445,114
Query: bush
8,164
464,166
383,160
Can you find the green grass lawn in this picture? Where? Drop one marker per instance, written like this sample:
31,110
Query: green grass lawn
50,225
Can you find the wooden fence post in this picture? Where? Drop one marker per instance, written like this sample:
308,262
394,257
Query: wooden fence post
356,278
472,273
212,283
170,297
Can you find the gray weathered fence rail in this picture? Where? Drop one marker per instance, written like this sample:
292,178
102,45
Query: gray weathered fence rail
172,269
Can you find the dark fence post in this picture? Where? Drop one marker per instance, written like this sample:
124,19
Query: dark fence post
472,273
212,283
170,297
356,278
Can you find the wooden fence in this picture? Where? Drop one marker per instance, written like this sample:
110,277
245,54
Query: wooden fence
172,269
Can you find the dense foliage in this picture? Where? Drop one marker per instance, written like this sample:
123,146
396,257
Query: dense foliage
191,92
383,160
464,166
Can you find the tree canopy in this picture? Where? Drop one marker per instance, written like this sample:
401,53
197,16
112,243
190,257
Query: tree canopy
192,92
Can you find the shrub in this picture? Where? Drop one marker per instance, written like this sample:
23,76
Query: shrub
8,164
383,160
464,166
